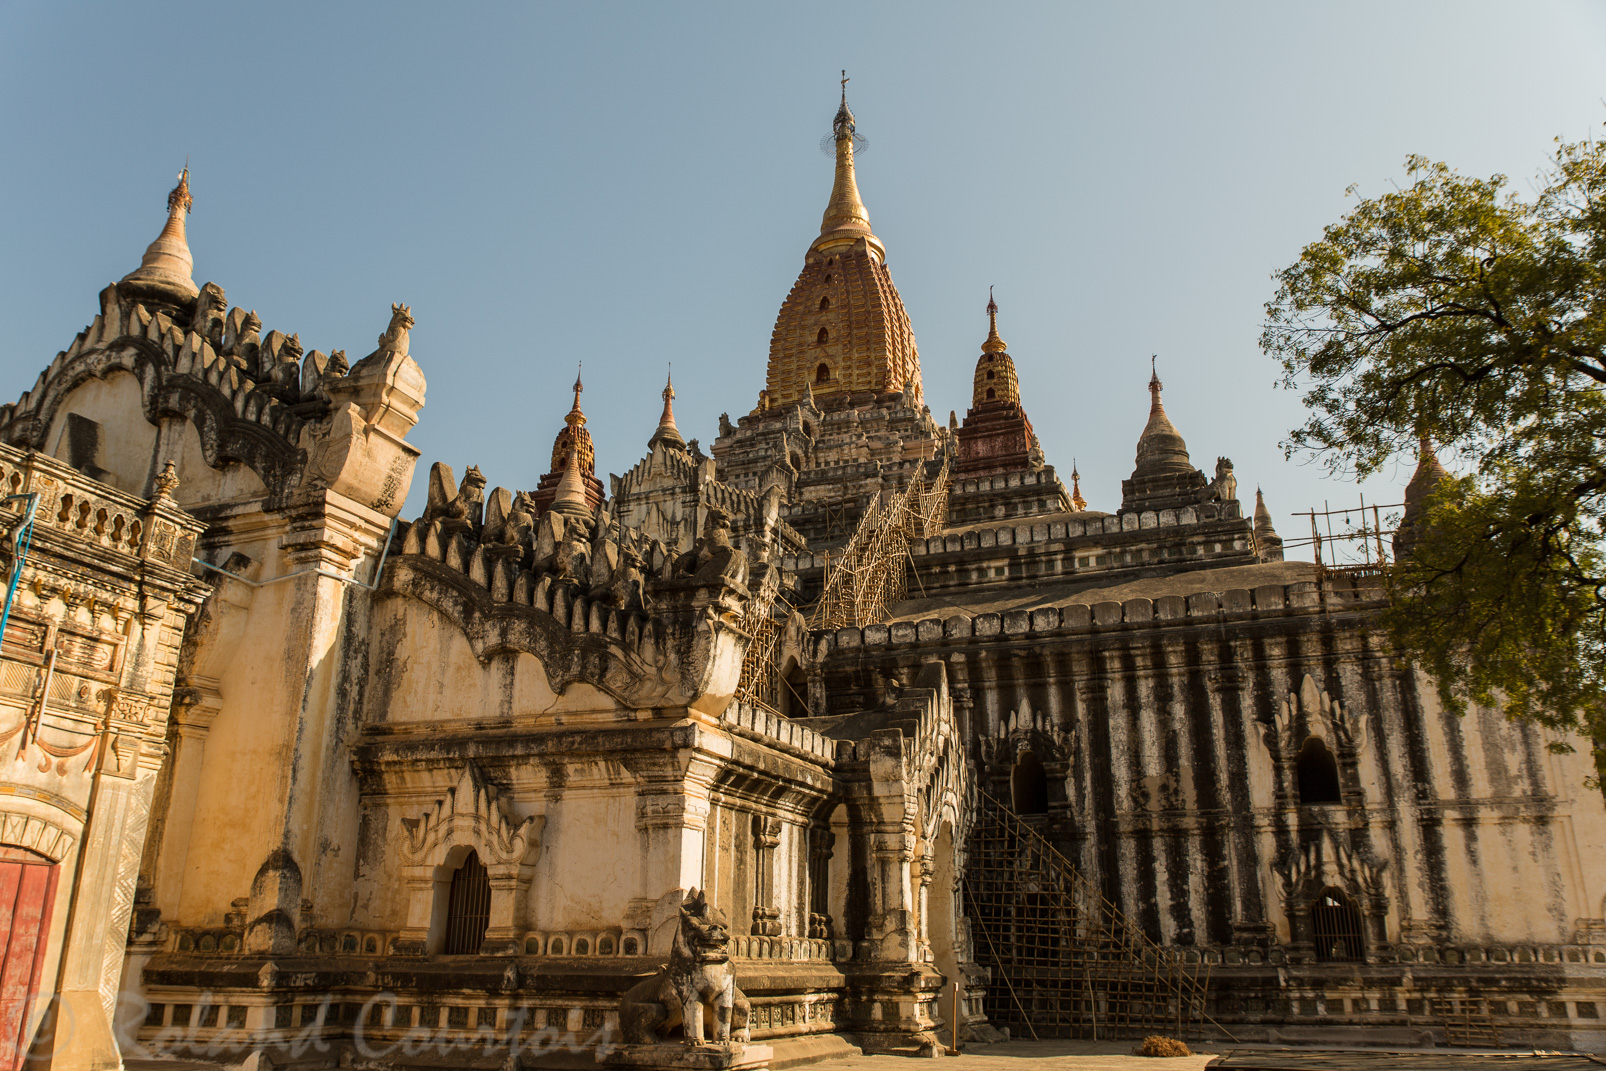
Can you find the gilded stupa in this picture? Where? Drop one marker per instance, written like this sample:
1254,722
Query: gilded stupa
997,436
843,330
575,439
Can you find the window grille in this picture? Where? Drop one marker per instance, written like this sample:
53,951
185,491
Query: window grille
468,908
1337,925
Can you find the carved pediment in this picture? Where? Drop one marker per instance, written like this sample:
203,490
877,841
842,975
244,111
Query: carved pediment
1328,860
1313,712
474,813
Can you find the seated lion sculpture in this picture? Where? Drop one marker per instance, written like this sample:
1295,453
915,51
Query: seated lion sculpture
696,990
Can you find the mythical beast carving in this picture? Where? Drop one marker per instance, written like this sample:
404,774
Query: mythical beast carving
696,990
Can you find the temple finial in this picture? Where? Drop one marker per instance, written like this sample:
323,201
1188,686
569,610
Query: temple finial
846,220
667,433
576,416
994,344
164,271
1076,488
1155,386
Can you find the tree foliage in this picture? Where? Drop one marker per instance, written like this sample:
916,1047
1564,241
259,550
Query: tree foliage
1462,310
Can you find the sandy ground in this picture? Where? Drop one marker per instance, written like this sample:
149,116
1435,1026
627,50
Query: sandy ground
1029,1056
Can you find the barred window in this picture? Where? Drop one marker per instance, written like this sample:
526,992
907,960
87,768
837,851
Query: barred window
468,908
1336,922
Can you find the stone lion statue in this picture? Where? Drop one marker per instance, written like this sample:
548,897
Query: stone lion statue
714,556
1224,488
696,990
395,338
211,310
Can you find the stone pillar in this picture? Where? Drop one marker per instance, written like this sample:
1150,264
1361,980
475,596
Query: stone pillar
672,809
325,540
820,844
766,836
192,719
885,825
926,864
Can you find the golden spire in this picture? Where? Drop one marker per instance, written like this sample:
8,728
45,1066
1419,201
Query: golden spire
1076,488
994,344
846,220
667,432
576,418
164,271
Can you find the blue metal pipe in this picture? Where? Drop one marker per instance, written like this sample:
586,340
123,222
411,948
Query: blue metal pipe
23,537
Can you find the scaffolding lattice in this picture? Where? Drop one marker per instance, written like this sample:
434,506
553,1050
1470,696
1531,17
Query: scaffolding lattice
1350,547
760,679
1067,962
869,574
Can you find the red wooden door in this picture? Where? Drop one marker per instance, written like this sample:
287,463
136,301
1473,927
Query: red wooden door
27,890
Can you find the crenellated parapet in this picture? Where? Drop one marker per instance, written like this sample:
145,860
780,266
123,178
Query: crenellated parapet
596,601
302,422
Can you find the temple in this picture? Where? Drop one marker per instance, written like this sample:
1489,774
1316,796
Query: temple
922,742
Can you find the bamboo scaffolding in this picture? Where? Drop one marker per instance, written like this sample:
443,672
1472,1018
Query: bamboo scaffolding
870,574
1069,961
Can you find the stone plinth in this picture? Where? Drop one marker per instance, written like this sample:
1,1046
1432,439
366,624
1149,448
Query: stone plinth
677,1056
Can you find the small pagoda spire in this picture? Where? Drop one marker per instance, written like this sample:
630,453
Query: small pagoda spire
1076,488
1268,544
846,219
1263,525
1161,449
570,497
1429,471
994,344
164,272
667,432
1428,475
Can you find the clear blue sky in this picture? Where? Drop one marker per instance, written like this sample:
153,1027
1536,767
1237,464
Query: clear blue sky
637,184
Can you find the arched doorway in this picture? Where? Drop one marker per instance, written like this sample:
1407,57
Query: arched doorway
27,892
794,691
1028,784
1317,773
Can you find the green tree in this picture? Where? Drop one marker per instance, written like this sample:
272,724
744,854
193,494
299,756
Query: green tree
1470,314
